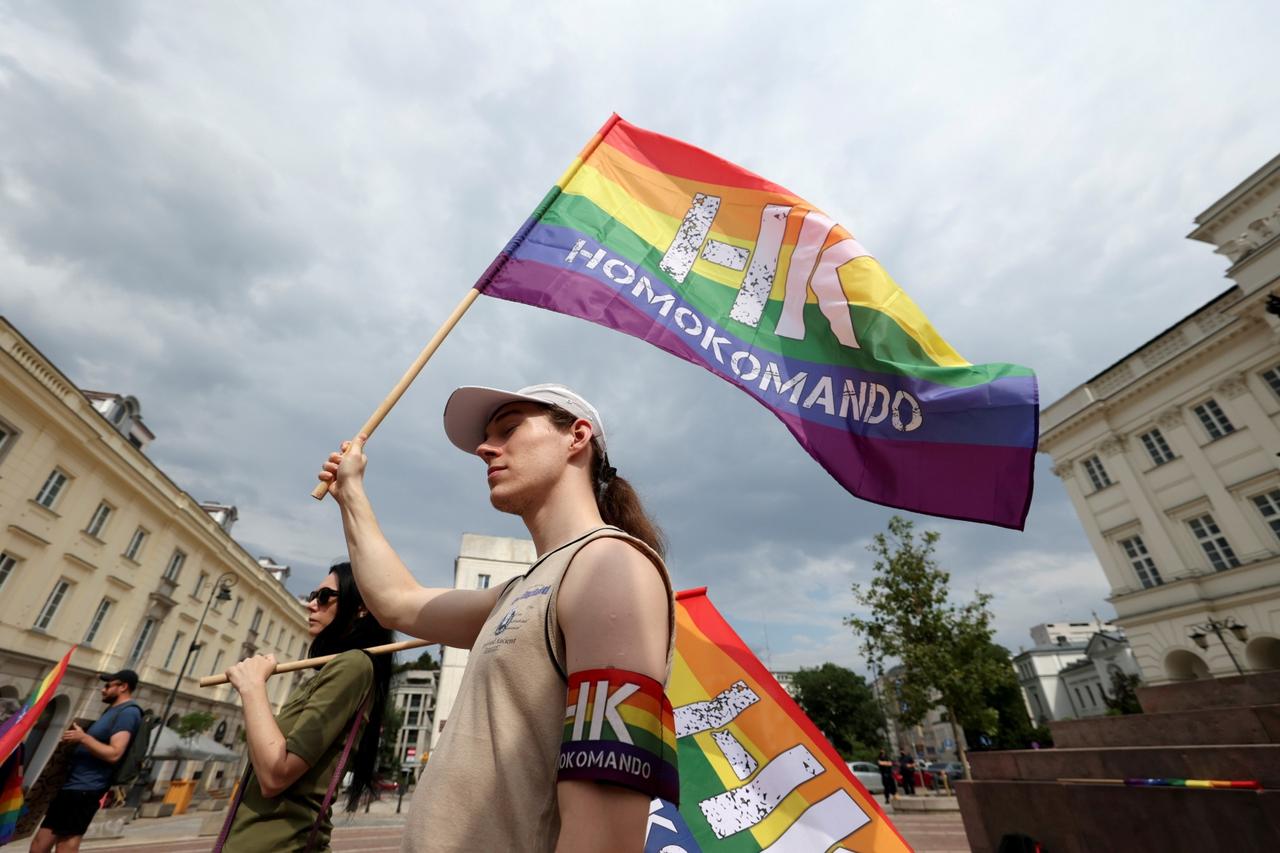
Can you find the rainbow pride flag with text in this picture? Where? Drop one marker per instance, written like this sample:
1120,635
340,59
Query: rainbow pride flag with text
755,774
673,245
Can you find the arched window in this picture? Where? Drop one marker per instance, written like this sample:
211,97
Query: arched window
1263,653
1183,665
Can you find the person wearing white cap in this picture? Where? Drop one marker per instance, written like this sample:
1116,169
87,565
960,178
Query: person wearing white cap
561,733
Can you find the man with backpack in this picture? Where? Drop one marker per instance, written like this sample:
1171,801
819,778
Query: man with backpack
93,765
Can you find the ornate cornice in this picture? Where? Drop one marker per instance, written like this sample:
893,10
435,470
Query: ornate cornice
1064,470
1113,445
1233,386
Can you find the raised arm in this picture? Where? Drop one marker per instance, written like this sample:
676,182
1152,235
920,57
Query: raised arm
450,616
612,609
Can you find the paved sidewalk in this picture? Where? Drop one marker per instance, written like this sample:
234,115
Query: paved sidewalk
169,831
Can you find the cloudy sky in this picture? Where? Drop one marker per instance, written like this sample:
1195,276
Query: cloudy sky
252,216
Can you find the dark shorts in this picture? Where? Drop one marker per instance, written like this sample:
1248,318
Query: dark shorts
71,811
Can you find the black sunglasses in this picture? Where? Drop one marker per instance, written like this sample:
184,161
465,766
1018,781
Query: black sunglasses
323,596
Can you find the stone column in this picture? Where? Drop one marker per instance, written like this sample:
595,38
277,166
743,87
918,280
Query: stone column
1226,511
1065,471
1155,530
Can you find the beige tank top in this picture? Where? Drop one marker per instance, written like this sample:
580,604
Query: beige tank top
490,784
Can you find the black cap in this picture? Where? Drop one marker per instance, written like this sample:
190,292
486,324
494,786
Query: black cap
127,676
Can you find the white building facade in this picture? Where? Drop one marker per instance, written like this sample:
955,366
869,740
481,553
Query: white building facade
1170,459
413,693
482,562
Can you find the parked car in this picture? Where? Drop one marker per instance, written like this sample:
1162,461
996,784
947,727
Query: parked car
953,770
868,774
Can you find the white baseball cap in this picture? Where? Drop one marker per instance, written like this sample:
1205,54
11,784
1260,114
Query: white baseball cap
471,407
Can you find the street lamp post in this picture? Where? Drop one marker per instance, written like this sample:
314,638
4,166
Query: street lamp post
221,590
1199,636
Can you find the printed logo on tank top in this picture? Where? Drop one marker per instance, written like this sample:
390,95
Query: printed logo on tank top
507,631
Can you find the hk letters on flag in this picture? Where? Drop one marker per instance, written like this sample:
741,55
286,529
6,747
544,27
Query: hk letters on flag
755,774
670,244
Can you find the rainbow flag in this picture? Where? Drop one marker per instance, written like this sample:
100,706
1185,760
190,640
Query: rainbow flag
11,799
14,729
755,774
716,265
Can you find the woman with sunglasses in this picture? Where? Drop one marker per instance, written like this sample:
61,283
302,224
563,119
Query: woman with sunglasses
294,757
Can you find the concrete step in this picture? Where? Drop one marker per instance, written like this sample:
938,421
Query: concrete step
1235,691
1254,761
1258,724
1096,818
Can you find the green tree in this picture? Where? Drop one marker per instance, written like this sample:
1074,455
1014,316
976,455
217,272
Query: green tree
942,647
841,704
1012,724
1124,694
422,661
195,723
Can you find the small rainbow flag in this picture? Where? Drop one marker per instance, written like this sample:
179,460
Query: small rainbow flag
716,265
755,774
11,799
14,729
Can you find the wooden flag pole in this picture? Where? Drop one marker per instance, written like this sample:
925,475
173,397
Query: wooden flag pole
405,381
313,663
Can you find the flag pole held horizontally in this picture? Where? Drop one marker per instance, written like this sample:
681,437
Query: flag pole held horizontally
429,350
316,663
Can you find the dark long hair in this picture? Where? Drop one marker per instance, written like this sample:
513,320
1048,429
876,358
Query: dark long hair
616,499
352,630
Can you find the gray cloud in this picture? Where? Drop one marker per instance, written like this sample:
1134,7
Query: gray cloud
252,217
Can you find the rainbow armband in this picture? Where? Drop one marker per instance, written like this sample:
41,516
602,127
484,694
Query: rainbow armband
619,728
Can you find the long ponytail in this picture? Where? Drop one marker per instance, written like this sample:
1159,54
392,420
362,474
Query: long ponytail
616,498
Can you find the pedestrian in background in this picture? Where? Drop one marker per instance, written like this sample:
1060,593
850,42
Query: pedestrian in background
907,767
93,765
885,763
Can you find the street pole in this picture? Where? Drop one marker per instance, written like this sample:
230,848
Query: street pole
1217,629
221,590
1200,638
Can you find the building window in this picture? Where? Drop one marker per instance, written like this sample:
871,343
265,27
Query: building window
8,436
1089,690
1213,419
200,582
482,581
51,489
99,520
173,649
1157,447
140,645
271,627
235,611
135,544
1271,377
217,663
1215,545
7,564
1097,474
1145,567
1268,504
195,657
174,568
99,617
51,604
1079,698
257,620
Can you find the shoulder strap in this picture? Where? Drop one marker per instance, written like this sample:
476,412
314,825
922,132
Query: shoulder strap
360,716
328,797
